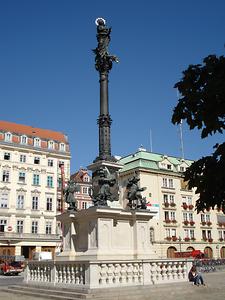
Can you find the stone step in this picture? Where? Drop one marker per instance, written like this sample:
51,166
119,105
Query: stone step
126,293
46,293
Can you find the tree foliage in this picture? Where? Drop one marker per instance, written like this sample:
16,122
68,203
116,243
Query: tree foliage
202,105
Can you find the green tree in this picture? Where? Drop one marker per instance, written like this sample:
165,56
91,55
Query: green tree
202,106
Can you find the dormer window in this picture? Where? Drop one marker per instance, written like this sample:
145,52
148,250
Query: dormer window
23,139
86,179
182,169
50,145
37,142
169,167
62,147
8,137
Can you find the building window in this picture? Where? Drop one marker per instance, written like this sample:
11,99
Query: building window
190,217
186,233
173,232
6,156
189,200
61,163
182,169
85,190
49,204
84,205
165,198
8,137
34,227
167,232
22,158
20,202
35,203
207,218
166,215
185,216
50,162
5,176
50,145
192,234
19,227
204,235
3,224
165,182
37,160
202,218
59,183
48,228
172,215
36,179
62,147
170,183
4,200
49,181
86,179
22,177
23,139
169,167
37,142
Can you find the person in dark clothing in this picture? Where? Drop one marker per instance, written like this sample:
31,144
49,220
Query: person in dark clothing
195,277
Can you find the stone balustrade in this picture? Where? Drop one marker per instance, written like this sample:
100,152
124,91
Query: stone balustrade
102,274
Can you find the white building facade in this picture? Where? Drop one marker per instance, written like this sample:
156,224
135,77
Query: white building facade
176,226
30,188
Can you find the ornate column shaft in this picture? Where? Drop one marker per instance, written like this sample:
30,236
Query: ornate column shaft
103,64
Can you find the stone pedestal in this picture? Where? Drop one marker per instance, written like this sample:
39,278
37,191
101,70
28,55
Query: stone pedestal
104,233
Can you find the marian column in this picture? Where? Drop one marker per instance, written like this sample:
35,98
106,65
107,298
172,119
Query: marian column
103,64
105,167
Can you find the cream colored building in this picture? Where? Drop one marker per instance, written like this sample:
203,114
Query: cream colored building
30,188
176,226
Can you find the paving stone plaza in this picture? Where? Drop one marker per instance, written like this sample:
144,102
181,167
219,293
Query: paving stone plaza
214,289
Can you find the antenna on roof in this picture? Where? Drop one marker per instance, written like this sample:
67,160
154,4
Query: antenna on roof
181,133
150,136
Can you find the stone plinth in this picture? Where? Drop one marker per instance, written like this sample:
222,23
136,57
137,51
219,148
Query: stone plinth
104,233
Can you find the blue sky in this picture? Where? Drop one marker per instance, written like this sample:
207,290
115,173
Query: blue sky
48,79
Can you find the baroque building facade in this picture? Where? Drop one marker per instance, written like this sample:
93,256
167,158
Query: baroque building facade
31,161
176,226
84,184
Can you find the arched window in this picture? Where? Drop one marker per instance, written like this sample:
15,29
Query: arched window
208,252
171,252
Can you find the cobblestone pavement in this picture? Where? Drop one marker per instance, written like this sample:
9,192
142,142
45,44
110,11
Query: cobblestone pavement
214,289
